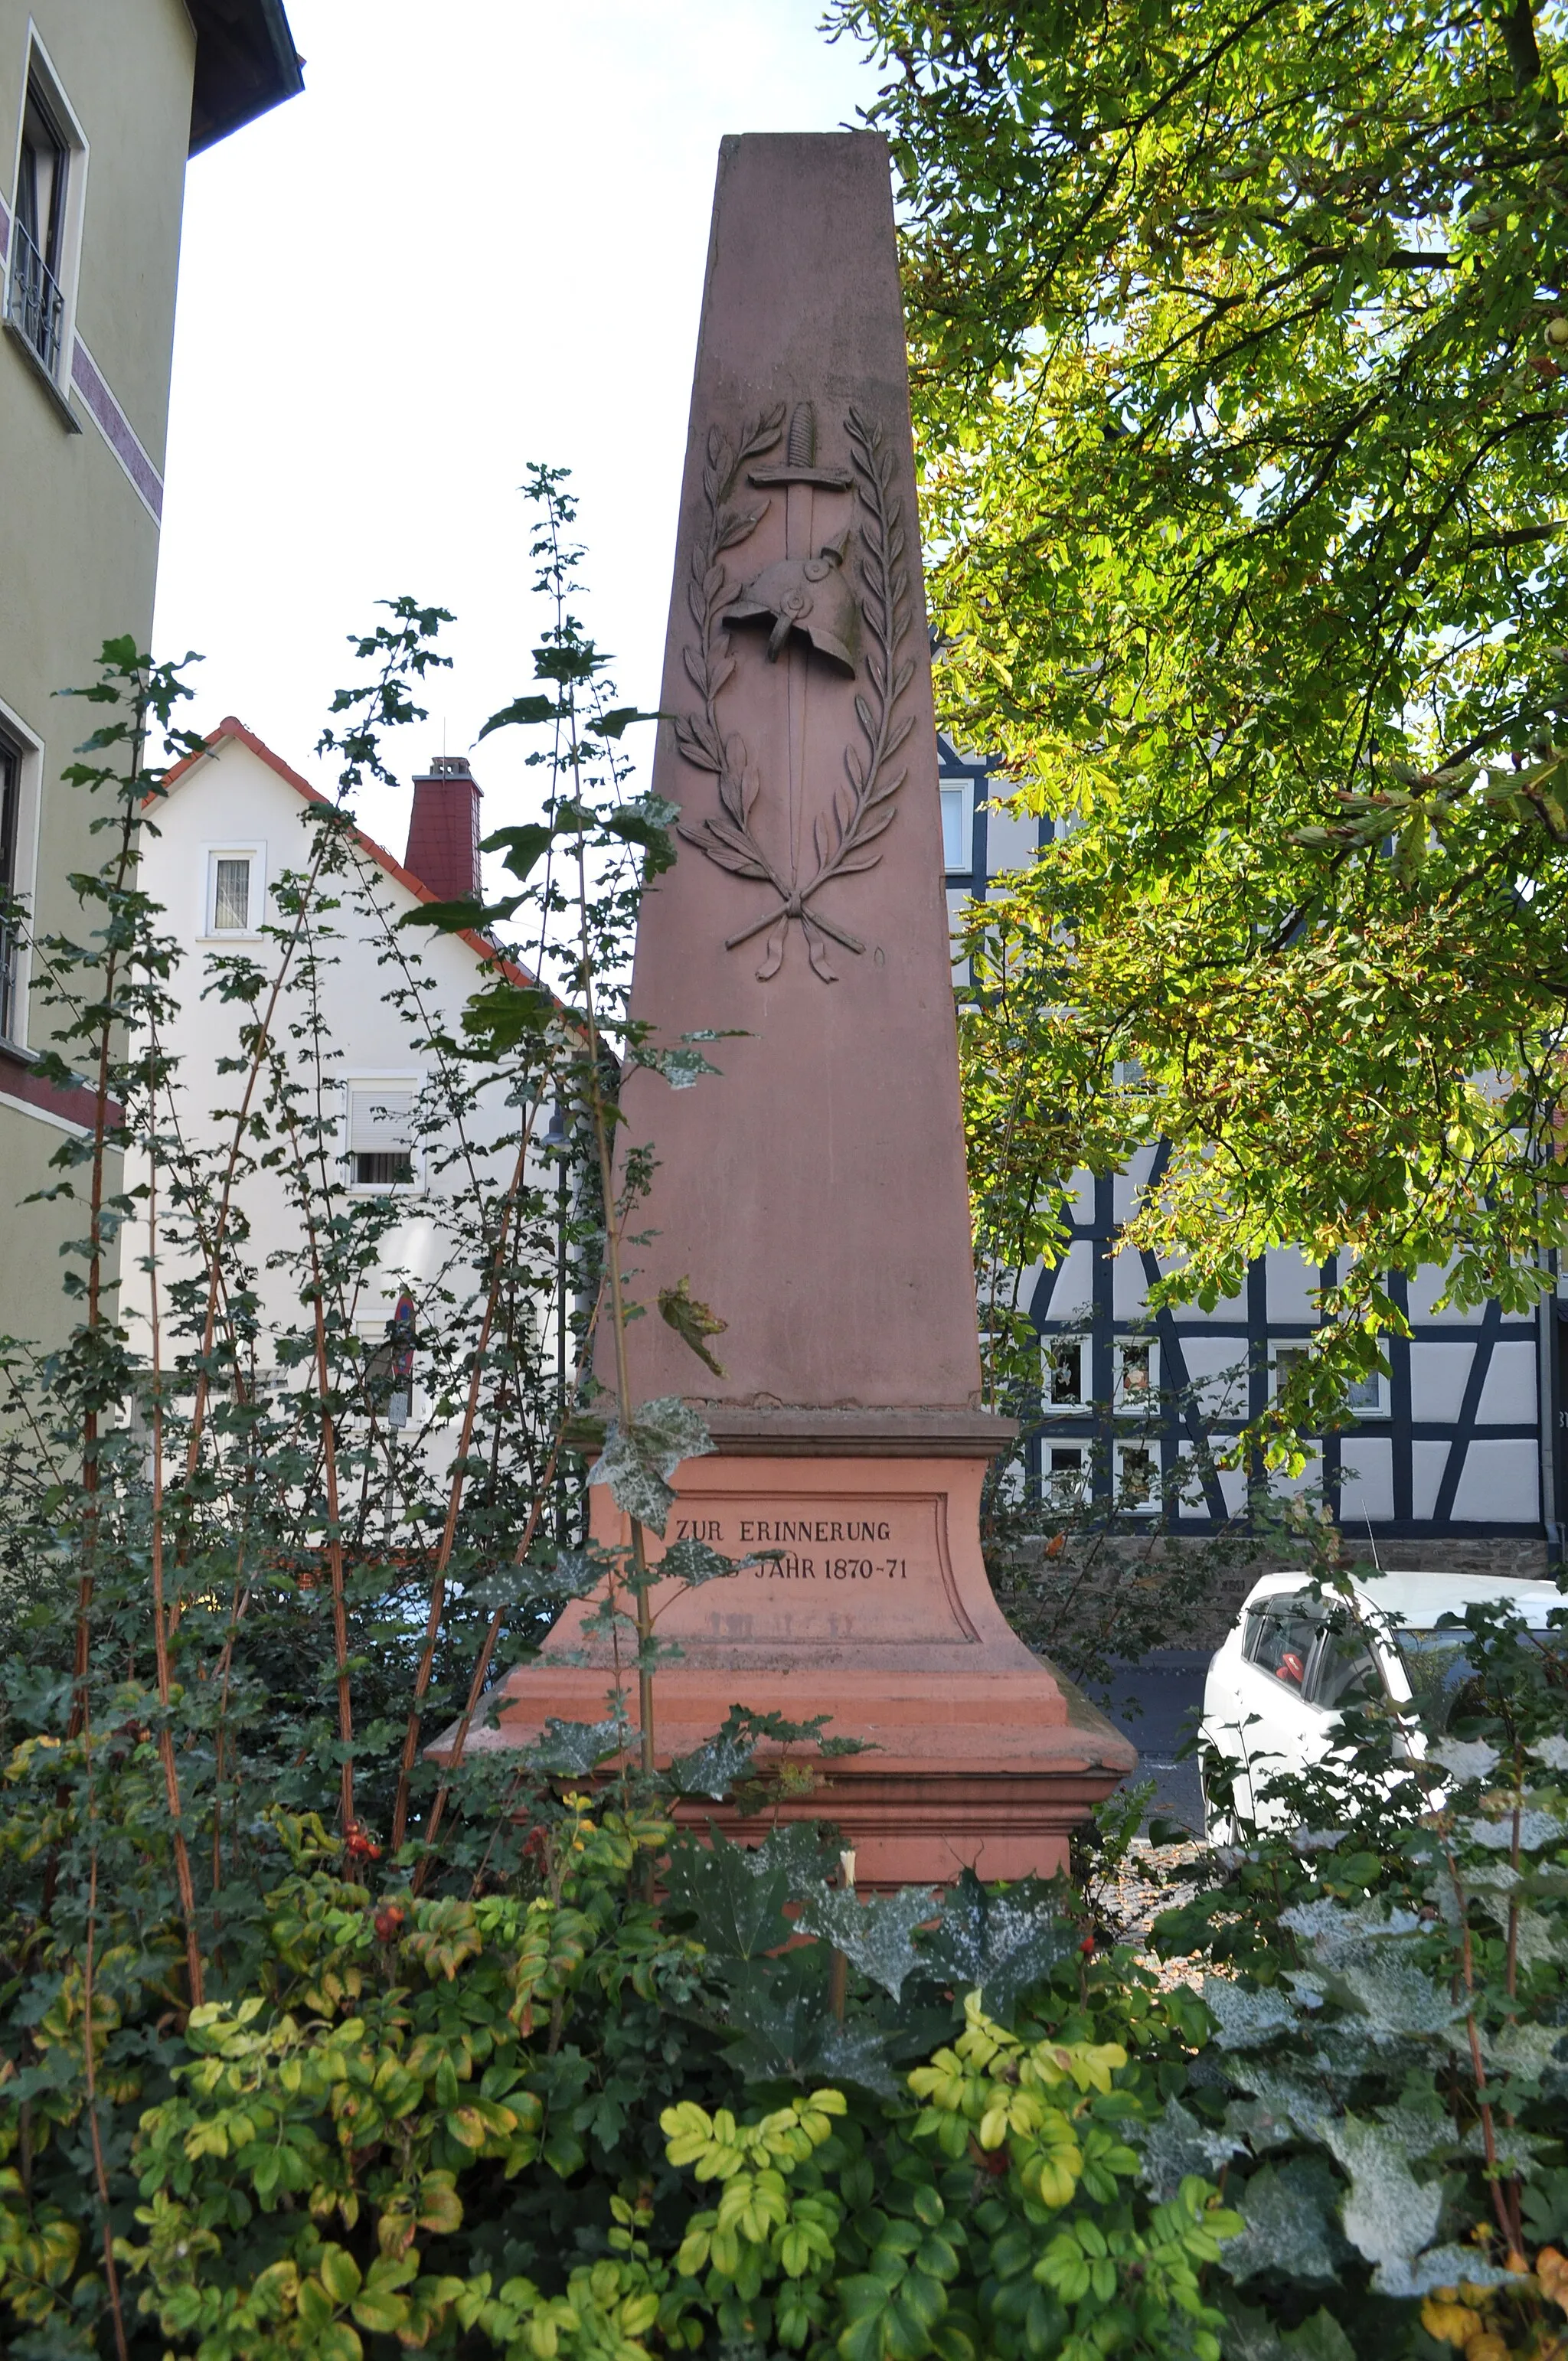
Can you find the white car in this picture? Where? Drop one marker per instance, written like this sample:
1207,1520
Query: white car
1272,1699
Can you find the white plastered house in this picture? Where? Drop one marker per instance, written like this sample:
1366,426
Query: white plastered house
235,821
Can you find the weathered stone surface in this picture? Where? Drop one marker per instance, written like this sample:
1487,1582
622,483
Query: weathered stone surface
814,1196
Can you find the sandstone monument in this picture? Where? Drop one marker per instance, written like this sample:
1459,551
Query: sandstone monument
814,1196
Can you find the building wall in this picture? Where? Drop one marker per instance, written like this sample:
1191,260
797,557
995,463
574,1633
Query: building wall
81,471
1452,1462
233,801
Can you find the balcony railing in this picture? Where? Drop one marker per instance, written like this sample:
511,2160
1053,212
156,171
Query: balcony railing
33,300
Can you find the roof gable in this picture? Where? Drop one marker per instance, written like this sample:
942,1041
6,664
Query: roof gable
231,731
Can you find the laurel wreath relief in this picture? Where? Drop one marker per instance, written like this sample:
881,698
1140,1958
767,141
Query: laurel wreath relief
844,840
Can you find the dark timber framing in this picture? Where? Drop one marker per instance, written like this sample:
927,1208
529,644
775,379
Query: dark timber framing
1174,1425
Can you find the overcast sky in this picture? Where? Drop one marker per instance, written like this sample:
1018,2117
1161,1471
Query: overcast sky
477,240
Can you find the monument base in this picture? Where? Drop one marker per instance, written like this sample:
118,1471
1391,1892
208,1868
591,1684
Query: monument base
863,1596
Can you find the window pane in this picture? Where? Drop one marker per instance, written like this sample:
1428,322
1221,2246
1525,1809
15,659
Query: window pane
1280,1636
1135,1369
1065,1373
1366,1394
231,897
1137,1479
378,1167
1441,1674
958,848
1345,1672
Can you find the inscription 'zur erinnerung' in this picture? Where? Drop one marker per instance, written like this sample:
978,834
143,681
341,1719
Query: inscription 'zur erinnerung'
780,1538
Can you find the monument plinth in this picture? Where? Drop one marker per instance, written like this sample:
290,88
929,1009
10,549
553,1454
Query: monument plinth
816,1196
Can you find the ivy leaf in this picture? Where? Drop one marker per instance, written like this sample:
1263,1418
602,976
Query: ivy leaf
504,1014
1390,2215
692,1563
734,1892
1247,2018
1176,2144
681,1066
787,2032
673,1432
645,829
1252,2336
1000,1943
575,1748
1536,1830
1465,1758
715,1768
635,1484
465,915
1291,2228
876,1933
637,1459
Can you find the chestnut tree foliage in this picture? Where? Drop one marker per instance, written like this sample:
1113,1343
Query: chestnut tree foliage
1239,331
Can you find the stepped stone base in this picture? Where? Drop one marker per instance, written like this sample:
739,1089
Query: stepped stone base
873,1608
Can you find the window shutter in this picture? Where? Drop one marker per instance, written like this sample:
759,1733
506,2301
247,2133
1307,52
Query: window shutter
381,1121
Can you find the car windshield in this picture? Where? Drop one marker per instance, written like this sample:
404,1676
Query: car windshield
1438,1670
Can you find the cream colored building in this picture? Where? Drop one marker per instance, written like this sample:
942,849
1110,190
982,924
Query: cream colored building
101,103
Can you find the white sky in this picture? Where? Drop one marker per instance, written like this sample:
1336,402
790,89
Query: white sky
478,239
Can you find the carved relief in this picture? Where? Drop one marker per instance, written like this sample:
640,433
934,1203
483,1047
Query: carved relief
809,598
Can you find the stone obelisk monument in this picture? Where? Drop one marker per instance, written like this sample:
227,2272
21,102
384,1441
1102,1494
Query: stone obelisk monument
814,1196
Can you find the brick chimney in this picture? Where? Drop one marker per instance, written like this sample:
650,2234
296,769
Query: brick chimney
443,830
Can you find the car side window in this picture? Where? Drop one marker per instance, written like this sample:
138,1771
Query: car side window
1344,1673
1279,1637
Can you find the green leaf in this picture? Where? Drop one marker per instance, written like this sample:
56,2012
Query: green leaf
524,711
692,1322
454,917
339,2274
616,723
522,846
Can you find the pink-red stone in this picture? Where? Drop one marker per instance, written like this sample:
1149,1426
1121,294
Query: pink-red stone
814,1194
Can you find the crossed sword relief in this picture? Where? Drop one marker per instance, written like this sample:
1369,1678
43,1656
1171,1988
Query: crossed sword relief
806,599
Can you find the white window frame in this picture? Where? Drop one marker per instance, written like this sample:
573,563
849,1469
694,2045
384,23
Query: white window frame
40,71
29,750
392,1085
1141,1401
1149,1451
964,790
1071,1482
1083,1407
254,851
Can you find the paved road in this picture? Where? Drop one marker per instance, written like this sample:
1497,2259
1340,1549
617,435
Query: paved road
1157,1704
